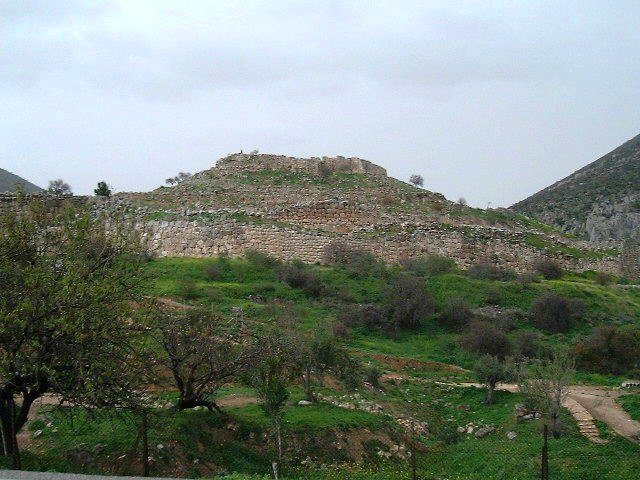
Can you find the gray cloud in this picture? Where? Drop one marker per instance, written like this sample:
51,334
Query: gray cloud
488,101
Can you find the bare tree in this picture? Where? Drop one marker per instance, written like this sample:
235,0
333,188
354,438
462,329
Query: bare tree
544,384
59,187
202,352
416,180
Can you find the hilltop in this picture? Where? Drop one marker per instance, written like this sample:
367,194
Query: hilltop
8,182
599,202
295,208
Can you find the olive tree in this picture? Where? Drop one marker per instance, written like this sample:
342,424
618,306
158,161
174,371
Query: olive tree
545,385
202,351
489,371
65,313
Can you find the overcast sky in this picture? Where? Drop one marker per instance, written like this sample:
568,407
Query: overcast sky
487,100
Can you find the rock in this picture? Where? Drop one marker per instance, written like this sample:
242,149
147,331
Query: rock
304,403
511,435
528,416
520,410
484,431
159,446
37,433
462,429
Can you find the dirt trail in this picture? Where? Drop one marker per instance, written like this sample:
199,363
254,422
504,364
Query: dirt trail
586,403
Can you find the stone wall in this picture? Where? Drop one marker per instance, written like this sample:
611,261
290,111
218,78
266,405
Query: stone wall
630,259
313,165
207,238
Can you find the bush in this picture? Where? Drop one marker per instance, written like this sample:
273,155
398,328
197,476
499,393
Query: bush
603,278
493,296
429,266
529,345
488,271
188,288
370,316
455,314
447,432
358,262
555,313
372,376
297,274
484,338
261,260
407,302
548,268
340,330
610,349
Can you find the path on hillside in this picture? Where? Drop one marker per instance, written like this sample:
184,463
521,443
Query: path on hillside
586,403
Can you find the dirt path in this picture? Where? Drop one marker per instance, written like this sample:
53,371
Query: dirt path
586,403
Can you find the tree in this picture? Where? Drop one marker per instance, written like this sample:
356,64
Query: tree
202,352
416,180
67,287
102,190
544,384
490,370
271,375
59,187
549,269
484,338
181,177
407,302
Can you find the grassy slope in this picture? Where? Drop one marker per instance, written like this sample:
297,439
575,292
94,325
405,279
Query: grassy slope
243,284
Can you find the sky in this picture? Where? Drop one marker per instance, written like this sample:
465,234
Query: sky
490,101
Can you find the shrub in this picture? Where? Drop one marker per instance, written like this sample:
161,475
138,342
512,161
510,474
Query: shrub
555,313
493,296
188,288
603,278
529,345
447,432
407,302
372,376
261,260
214,272
489,271
416,180
455,314
484,338
370,316
340,330
358,262
548,268
429,265
610,349
297,274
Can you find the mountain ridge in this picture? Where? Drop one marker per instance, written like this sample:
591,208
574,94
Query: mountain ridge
8,182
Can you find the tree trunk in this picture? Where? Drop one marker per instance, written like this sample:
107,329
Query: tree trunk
555,425
277,463
306,380
489,399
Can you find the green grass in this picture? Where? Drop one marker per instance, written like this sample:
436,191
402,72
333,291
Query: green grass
631,403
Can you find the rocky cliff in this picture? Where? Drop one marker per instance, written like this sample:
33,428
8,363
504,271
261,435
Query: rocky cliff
600,202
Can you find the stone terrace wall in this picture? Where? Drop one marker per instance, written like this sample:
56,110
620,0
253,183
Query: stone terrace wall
313,165
206,239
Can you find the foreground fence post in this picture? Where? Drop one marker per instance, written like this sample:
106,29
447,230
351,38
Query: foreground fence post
544,467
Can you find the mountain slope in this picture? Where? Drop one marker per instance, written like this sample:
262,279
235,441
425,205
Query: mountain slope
8,182
601,201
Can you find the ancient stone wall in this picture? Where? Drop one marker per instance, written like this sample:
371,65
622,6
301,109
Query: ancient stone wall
630,259
207,238
313,165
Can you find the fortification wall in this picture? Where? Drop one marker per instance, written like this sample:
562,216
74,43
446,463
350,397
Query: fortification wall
313,165
206,239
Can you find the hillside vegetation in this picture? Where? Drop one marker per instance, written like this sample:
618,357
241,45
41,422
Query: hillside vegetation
409,370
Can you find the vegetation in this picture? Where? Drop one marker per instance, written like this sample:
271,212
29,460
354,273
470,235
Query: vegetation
102,190
59,187
366,345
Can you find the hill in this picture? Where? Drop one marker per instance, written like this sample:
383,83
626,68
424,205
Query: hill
599,202
298,208
8,182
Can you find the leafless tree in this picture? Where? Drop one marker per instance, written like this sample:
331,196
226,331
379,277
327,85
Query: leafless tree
59,187
416,180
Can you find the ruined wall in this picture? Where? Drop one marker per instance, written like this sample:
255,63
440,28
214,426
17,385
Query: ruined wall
205,239
313,165
630,259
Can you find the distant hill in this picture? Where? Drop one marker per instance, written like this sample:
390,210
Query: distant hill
599,202
8,182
